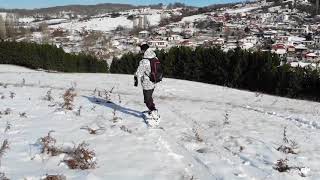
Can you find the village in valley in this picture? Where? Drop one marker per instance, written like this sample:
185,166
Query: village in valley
280,27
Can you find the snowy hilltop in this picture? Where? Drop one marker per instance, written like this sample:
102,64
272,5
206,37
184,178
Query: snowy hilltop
89,126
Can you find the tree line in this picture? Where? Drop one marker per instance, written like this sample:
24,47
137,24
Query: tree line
49,57
241,69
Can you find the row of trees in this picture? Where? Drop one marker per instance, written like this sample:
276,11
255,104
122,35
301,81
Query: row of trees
48,57
8,24
254,71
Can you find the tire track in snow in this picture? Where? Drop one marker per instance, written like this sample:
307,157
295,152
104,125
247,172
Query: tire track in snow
297,120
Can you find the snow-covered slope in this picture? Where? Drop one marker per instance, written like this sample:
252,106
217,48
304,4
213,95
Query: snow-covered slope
199,140
98,24
106,23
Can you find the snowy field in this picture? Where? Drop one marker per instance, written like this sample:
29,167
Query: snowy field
105,23
240,10
210,132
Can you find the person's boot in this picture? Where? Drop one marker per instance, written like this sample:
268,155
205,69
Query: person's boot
154,118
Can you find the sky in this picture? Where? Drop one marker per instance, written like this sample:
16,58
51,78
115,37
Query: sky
30,4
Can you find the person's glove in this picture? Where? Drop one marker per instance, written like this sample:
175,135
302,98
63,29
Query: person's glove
135,81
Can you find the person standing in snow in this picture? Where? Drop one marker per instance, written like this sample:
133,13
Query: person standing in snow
148,86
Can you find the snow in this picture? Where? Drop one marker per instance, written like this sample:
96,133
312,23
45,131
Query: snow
99,24
154,19
303,64
106,24
194,18
56,21
26,20
241,147
3,15
240,10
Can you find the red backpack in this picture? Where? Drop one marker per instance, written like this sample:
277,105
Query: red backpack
156,70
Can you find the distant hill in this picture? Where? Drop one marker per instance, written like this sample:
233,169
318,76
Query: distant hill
77,9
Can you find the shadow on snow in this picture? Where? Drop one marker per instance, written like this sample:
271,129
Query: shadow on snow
112,105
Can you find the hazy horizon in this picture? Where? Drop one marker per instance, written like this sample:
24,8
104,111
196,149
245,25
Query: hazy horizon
33,4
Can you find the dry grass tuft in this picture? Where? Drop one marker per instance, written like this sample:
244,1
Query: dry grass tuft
68,98
81,158
54,177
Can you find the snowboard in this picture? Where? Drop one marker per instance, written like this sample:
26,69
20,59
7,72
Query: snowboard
147,118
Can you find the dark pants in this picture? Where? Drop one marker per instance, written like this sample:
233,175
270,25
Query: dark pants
148,100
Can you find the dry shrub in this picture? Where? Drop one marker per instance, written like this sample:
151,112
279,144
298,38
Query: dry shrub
6,112
289,146
4,147
282,165
23,115
125,129
81,158
12,95
54,177
68,98
4,85
226,118
107,95
48,96
197,135
3,176
94,131
8,127
48,145
115,118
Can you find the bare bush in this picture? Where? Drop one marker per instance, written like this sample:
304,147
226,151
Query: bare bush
289,146
4,85
23,83
197,135
258,94
6,112
12,95
115,118
4,147
3,176
48,145
107,95
48,96
8,127
282,165
226,118
54,177
94,131
78,113
125,129
23,115
81,158
68,98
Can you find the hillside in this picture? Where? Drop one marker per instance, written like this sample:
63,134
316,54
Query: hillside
210,132
77,9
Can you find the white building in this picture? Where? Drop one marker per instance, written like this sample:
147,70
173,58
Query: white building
175,37
144,34
158,44
141,22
